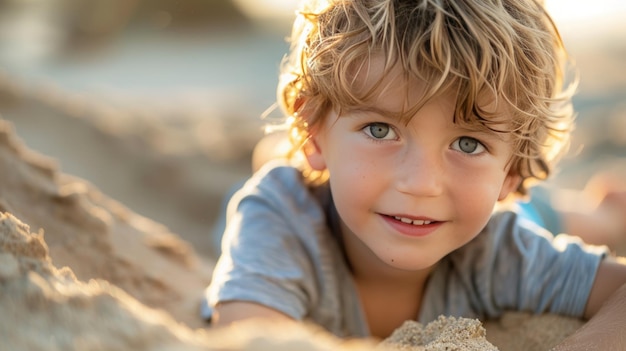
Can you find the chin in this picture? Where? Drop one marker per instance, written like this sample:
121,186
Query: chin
410,265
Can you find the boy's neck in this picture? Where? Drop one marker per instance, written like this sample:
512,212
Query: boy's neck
388,296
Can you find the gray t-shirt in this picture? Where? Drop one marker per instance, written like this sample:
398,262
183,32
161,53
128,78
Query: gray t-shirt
281,249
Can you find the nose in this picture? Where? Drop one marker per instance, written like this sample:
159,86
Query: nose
420,172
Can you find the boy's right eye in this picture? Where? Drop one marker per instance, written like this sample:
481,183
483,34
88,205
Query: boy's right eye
380,131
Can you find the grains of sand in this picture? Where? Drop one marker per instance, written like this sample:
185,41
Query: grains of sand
445,333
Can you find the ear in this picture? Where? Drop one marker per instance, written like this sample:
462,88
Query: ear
510,184
313,155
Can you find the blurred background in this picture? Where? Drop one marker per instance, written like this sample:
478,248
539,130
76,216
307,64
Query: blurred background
157,103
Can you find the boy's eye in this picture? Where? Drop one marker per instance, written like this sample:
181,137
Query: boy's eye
380,131
468,145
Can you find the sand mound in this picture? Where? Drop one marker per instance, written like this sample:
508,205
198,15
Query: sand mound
98,237
44,308
443,334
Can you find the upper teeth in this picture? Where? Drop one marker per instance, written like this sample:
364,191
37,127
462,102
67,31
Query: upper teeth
411,221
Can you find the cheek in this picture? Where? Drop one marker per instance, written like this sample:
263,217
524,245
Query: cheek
477,193
357,182
354,165
351,181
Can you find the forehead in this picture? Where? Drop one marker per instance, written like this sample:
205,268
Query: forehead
378,84
394,90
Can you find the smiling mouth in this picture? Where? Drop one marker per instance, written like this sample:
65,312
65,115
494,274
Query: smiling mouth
412,221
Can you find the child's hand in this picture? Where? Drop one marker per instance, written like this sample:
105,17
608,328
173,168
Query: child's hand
230,312
609,192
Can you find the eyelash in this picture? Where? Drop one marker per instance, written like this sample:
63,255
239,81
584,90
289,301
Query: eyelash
367,130
480,144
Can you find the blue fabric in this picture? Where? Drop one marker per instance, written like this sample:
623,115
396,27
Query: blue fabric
539,209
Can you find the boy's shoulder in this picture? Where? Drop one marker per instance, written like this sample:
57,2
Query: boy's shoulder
277,170
275,177
280,185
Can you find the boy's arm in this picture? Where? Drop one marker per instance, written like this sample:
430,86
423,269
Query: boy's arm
606,330
227,313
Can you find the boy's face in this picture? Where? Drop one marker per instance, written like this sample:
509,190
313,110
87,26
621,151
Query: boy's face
410,194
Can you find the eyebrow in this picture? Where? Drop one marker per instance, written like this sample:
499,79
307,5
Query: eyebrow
400,116
486,132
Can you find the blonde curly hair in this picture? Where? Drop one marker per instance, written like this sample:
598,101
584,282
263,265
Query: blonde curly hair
509,49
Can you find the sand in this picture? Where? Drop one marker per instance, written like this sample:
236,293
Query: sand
446,333
97,236
45,308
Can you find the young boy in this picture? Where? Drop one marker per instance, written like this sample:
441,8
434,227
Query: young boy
414,118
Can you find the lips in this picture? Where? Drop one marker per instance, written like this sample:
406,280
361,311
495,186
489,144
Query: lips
413,227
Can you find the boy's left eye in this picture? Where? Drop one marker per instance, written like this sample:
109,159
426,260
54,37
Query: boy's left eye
380,131
468,145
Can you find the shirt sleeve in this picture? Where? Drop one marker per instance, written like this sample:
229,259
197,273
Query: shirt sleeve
264,259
